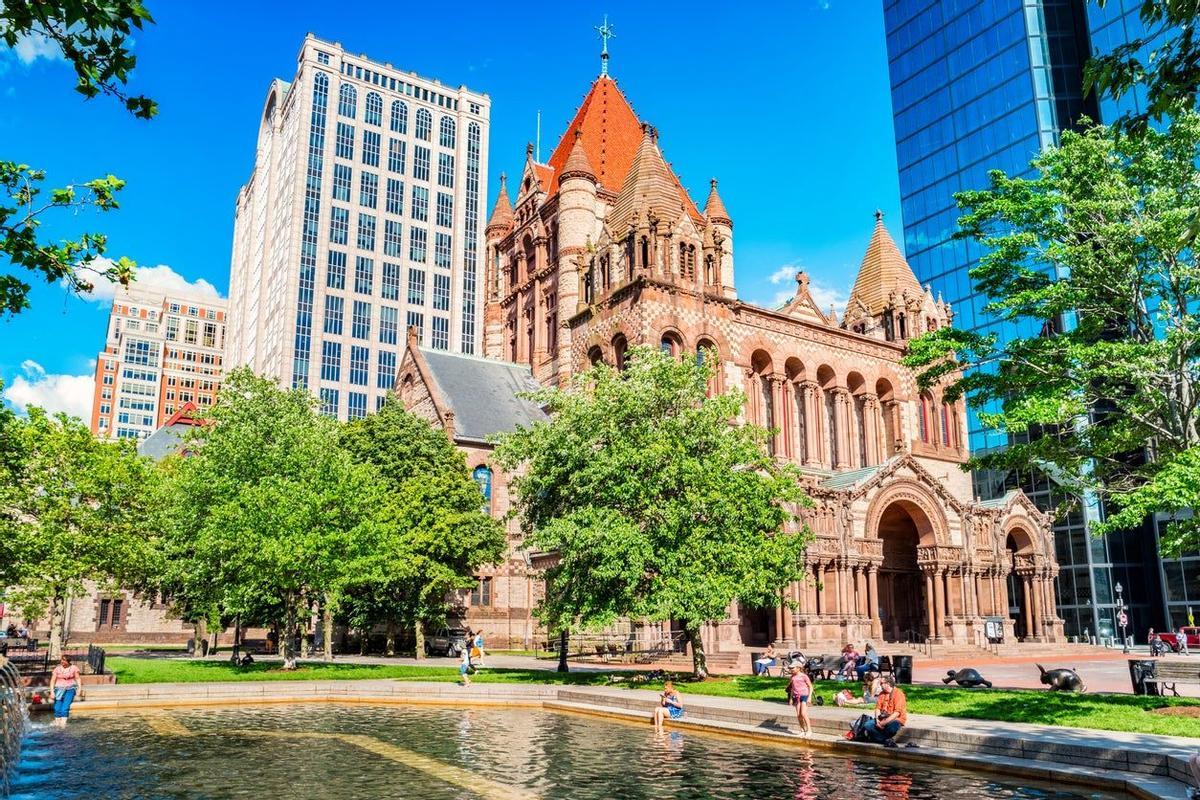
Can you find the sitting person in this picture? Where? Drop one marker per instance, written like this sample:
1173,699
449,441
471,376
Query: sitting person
763,665
870,693
869,662
891,714
669,705
847,671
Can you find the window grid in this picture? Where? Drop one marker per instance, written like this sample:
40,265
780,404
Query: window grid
356,405
420,163
393,239
334,308
329,402
385,377
419,210
366,232
440,339
445,170
331,361
360,326
441,292
310,231
418,241
364,275
397,155
445,210
339,225
342,175
344,143
399,119
360,365
389,324
395,196
416,286
335,272
368,190
371,148
470,238
391,281
415,319
373,113
442,250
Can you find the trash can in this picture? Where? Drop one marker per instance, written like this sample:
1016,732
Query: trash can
902,667
1139,671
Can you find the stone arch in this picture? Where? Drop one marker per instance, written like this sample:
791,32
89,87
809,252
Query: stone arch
595,355
620,347
919,503
794,369
672,341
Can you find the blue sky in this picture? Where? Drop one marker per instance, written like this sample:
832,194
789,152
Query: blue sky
789,108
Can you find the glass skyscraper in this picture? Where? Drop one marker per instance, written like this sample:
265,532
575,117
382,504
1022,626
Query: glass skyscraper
979,85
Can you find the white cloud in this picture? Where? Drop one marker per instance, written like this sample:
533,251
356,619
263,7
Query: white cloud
826,296
822,294
158,278
31,47
36,387
787,271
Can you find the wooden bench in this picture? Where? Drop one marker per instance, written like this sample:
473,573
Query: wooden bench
1167,674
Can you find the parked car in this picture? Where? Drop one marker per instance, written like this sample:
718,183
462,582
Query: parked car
446,642
1171,639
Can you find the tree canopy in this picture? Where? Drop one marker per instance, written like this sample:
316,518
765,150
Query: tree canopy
1089,264
656,504
94,37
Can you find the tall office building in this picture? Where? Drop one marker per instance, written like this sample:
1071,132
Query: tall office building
986,85
362,217
162,352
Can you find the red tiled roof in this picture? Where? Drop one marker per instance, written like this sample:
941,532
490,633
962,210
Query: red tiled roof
184,416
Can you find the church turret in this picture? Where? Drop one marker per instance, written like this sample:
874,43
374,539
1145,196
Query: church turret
576,224
718,245
502,213
887,301
499,225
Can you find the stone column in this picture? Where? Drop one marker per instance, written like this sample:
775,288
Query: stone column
930,604
812,423
795,410
1027,590
1037,606
841,410
968,594
939,604
895,441
860,584
871,430
873,601
822,592
778,410
839,590
995,606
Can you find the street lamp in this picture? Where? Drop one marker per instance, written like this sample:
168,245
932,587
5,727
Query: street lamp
1122,618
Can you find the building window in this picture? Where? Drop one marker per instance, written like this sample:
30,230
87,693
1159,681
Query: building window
446,133
399,120
416,287
339,225
395,196
356,405
391,281
344,142
441,292
331,361
322,58
368,190
347,101
445,210
481,595
385,377
334,310
416,320
482,475
364,275
445,170
366,232
440,333
360,364
342,174
335,271
419,210
418,242
371,148
925,418
110,613
470,238
397,153
420,163
360,323
424,128
373,112
389,324
393,240
442,247
329,402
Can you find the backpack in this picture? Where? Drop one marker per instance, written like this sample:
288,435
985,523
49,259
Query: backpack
858,728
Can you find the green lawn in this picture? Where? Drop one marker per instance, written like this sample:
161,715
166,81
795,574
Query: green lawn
1104,712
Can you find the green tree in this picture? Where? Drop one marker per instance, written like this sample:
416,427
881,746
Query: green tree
433,533
270,509
1088,263
78,511
1164,62
656,504
94,37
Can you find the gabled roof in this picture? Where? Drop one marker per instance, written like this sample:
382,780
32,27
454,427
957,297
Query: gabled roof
482,393
802,305
851,478
883,271
167,440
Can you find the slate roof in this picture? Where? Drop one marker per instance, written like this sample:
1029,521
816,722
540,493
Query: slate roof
482,393
998,502
883,270
167,439
848,479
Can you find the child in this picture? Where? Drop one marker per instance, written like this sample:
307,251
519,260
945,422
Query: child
669,705
801,686
464,668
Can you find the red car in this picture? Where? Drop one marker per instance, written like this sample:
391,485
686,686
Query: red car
1172,639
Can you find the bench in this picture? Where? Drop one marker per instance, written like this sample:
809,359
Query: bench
1167,674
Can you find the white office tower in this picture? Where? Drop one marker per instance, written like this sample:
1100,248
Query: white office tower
363,216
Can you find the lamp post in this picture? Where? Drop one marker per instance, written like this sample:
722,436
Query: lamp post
1122,618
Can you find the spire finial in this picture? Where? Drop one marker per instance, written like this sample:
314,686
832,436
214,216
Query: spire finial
878,215
606,32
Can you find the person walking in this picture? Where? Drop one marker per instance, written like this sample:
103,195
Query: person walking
1183,644
801,690
464,667
64,684
477,654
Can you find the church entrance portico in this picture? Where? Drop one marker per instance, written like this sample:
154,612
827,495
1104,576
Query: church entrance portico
903,608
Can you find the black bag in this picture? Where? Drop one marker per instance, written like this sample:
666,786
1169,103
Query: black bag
858,728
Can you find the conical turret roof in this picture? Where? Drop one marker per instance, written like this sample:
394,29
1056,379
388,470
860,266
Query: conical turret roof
649,187
502,212
577,165
883,271
714,209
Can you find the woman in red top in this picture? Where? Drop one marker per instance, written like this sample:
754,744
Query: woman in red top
801,686
64,683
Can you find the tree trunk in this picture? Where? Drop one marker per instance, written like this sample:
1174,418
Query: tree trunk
287,637
327,622
563,641
699,664
364,640
200,637
390,646
419,638
55,637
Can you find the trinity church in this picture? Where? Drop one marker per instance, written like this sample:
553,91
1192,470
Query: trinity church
601,248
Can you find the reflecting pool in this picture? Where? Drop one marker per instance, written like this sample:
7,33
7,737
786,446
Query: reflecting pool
363,751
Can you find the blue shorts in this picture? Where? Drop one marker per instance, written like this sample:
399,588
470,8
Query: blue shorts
675,712
463,669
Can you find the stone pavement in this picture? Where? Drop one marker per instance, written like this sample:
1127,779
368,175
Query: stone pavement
1143,765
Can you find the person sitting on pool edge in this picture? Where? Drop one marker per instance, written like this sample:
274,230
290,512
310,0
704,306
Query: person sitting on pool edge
891,713
669,705
766,661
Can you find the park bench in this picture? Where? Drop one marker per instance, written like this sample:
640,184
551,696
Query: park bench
1168,674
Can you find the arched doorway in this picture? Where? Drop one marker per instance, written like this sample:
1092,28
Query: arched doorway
902,601
1018,542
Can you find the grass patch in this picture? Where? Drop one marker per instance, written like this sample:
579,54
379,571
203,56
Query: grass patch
1110,712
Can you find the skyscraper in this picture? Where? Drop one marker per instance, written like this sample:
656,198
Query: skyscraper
163,350
362,217
986,85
